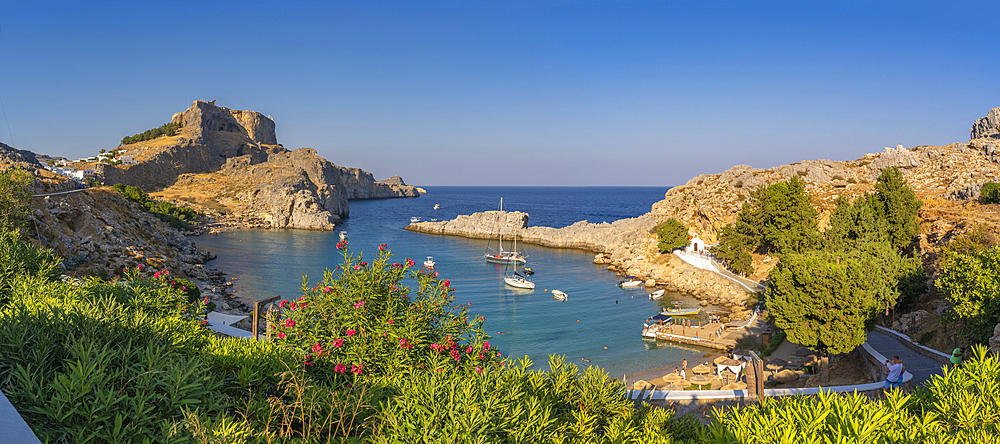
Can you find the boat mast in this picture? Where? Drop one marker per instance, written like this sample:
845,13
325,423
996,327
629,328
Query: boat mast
500,227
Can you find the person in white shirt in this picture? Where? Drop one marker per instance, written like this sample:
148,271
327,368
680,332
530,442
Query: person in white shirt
895,368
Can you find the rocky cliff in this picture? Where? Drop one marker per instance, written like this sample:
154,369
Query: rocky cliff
263,180
940,175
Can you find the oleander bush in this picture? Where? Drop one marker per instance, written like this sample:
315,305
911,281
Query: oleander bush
91,361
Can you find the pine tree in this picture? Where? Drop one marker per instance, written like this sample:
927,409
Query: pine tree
898,205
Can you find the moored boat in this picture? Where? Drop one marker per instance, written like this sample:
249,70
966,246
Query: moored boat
630,282
559,295
653,325
501,256
414,219
518,280
680,311
429,263
437,206
343,235
657,294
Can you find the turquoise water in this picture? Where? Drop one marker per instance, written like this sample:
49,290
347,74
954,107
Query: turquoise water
597,314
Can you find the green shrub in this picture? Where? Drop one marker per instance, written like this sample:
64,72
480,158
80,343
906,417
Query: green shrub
20,259
989,193
173,215
167,129
671,234
15,198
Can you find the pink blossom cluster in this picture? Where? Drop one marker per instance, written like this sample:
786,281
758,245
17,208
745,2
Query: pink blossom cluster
404,344
341,245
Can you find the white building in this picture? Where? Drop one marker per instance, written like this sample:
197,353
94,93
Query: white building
695,244
127,160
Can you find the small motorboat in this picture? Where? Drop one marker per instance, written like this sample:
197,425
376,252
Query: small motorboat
437,206
656,294
343,235
678,311
630,282
414,219
429,263
654,324
528,270
558,295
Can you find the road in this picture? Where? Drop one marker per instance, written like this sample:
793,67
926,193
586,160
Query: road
919,365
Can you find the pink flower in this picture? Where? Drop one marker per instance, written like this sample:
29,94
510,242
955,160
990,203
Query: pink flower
447,283
289,322
357,267
498,354
295,305
435,346
390,322
281,335
340,368
308,360
283,303
479,369
338,342
436,274
328,289
166,271
357,369
140,267
458,359
437,370
402,341
481,357
359,304
486,345
468,349
381,247
350,333
409,262
318,349
183,287
364,264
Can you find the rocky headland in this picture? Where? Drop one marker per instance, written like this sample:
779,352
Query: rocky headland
947,178
230,161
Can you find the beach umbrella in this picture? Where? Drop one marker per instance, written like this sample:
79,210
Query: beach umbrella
683,383
701,369
642,385
672,377
700,380
720,359
735,386
726,375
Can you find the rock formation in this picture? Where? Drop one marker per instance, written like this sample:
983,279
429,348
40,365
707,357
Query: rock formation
988,126
286,189
16,157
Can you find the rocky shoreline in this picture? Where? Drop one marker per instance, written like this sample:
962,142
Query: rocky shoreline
626,246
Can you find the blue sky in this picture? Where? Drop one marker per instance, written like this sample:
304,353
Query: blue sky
511,92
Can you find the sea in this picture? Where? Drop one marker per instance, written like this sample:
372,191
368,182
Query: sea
599,324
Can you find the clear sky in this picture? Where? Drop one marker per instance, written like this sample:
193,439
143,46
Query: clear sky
491,92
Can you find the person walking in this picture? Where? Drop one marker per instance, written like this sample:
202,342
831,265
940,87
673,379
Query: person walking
895,369
684,368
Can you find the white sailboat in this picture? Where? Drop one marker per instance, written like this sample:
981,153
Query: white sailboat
518,280
502,256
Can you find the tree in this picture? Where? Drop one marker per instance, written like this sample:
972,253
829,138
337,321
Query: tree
898,205
778,219
672,234
989,193
970,280
15,198
824,300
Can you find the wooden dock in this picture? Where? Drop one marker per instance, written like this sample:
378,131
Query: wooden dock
703,336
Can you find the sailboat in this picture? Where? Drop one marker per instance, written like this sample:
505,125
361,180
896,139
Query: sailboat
515,278
502,256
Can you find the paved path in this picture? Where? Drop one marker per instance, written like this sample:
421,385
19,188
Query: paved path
59,193
12,428
920,366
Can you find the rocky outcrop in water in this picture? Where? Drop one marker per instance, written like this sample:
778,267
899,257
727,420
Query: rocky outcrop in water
626,246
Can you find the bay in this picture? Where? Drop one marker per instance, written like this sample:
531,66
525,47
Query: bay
521,323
